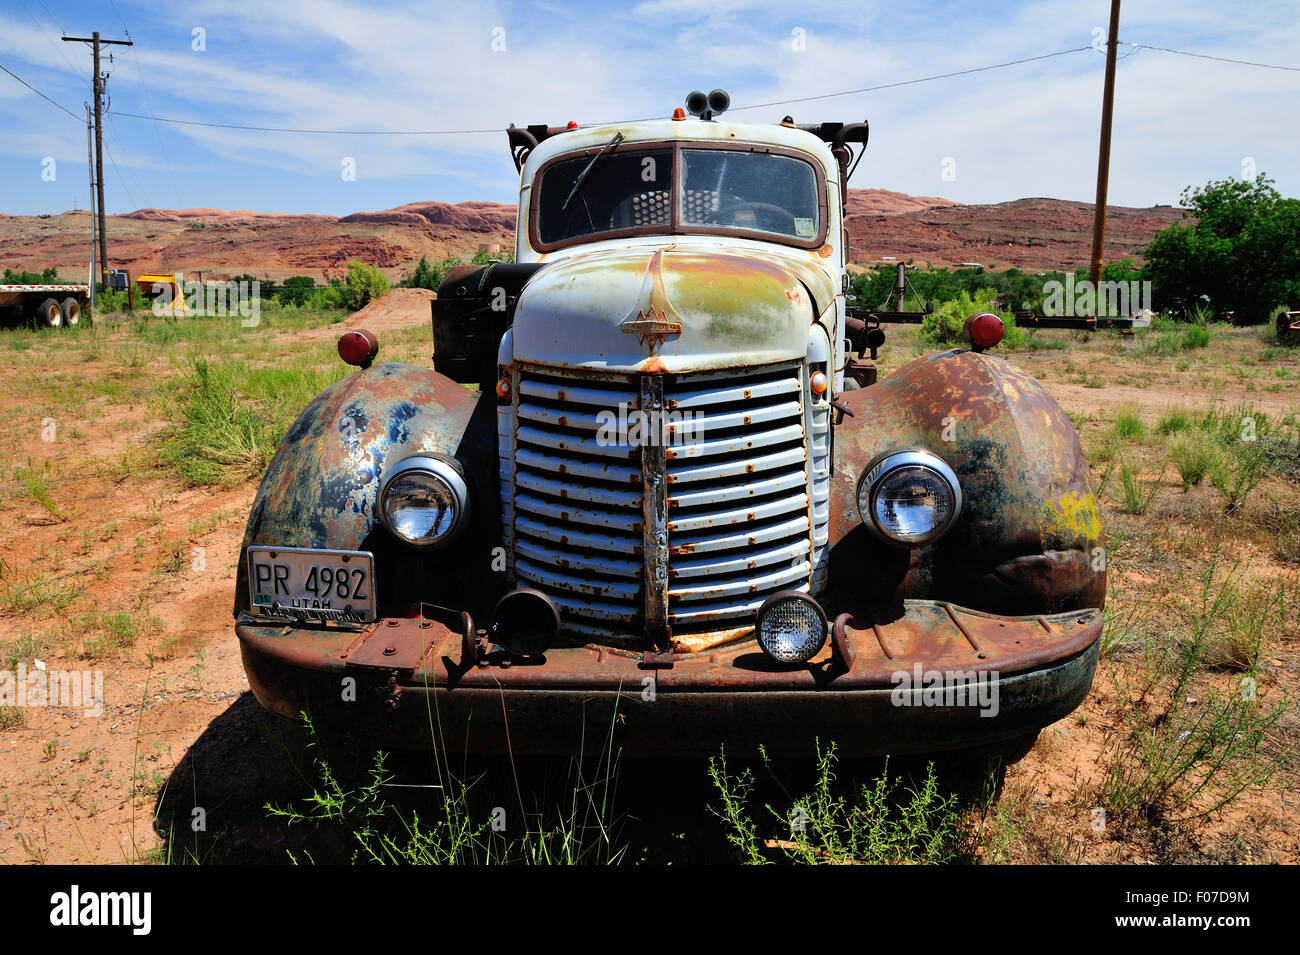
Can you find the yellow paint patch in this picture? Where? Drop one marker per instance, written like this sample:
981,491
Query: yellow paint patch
1072,516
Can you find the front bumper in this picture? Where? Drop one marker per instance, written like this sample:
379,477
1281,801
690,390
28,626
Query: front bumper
925,677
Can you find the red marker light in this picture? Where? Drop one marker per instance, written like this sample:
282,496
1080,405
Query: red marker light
571,125
983,331
679,114
358,347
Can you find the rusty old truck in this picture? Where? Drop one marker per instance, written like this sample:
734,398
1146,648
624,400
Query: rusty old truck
652,488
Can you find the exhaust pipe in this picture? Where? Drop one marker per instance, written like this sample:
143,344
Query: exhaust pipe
525,622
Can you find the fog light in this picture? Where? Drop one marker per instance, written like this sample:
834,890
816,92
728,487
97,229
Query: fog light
525,622
790,627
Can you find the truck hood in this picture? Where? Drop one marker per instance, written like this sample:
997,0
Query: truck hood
668,310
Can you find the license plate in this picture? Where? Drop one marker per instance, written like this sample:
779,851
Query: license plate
299,583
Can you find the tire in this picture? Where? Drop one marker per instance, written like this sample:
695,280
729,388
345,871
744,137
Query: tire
71,309
49,315
1283,328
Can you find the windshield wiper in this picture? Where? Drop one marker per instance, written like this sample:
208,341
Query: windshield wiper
582,176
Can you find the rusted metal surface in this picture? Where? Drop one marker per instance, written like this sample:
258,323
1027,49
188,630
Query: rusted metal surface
1029,535
1288,327
1041,667
321,486
654,525
733,309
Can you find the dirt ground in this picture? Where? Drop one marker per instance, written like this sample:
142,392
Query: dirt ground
131,574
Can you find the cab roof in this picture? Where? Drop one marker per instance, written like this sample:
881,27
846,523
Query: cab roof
552,141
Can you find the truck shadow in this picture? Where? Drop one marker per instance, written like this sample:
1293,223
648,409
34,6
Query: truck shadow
255,788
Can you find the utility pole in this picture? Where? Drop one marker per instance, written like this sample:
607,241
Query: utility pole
1103,157
99,80
90,168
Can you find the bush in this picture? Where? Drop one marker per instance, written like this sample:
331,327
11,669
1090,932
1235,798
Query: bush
1194,457
1174,420
876,824
365,283
944,326
296,290
1128,423
108,301
45,277
1191,748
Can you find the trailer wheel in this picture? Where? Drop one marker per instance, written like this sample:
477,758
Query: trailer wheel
1283,328
49,314
71,309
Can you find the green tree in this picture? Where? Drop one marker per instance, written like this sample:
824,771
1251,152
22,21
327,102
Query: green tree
1242,255
365,283
296,290
424,276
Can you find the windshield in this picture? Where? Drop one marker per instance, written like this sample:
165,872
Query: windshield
643,190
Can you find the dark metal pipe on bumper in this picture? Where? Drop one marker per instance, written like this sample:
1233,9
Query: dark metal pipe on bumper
402,684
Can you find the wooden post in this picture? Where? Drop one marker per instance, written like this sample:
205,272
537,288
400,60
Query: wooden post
1103,156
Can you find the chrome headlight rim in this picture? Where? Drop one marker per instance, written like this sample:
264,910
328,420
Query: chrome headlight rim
442,469
886,464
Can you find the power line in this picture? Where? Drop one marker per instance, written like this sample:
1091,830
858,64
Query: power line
923,79
1221,59
454,132
121,178
332,132
135,177
784,102
40,94
63,56
148,103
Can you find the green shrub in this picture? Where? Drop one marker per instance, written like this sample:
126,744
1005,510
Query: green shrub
1135,495
945,325
1174,420
1128,423
873,825
1191,748
364,284
1195,336
1194,457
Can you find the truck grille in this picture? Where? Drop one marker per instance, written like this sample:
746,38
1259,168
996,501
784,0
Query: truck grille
737,466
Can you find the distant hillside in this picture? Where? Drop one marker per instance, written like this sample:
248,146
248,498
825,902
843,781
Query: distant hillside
1027,233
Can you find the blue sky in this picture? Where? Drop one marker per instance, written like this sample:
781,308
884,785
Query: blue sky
1027,130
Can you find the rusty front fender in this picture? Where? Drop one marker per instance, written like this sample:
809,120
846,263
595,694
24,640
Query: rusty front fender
321,486
1028,537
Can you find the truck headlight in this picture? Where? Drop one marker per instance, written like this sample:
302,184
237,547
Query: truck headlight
909,498
424,501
